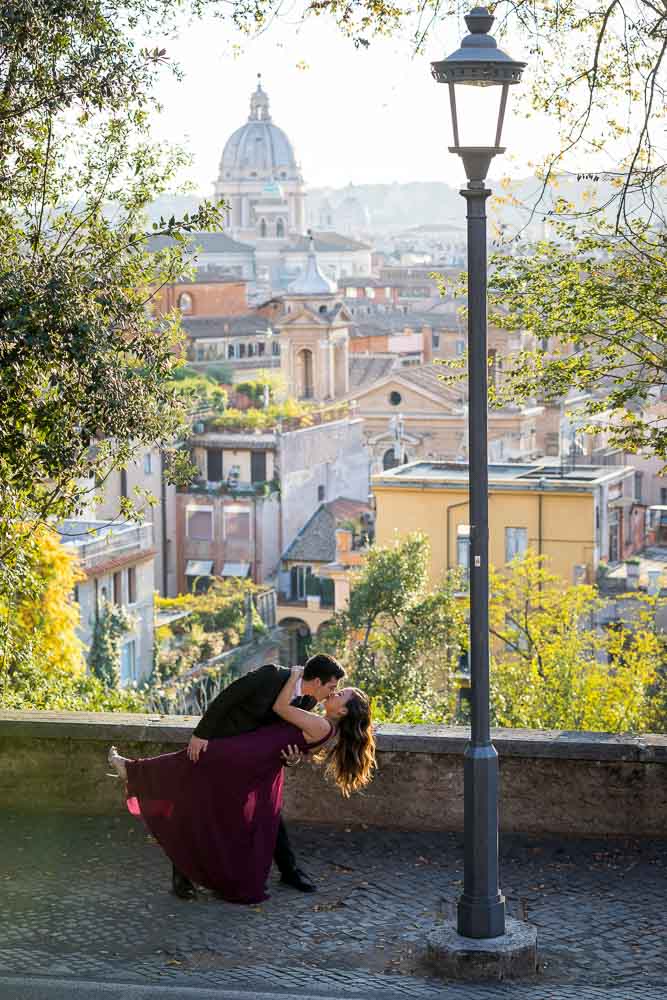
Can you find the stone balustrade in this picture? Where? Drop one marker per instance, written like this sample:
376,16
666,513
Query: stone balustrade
552,782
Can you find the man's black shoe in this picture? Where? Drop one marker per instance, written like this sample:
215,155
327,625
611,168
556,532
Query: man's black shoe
182,886
298,880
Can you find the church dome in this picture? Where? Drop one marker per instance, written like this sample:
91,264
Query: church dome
259,148
311,282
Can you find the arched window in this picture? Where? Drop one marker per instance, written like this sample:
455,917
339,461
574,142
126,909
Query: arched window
262,227
322,309
185,302
304,374
280,229
230,351
242,350
251,350
389,460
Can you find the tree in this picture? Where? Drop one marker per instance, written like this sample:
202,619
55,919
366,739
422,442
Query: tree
40,625
111,624
555,667
596,310
401,643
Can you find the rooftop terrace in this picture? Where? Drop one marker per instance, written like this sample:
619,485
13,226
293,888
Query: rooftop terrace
527,476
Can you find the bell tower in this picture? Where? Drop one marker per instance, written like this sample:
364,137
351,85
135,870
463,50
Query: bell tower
314,336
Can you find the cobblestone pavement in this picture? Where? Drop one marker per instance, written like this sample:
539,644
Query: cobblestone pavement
88,899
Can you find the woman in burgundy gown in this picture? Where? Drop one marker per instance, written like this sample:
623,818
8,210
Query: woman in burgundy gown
217,819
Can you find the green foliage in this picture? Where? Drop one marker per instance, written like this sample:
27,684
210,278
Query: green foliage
400,643
61,691
596,309
111,624
85,371
553,667
254,388
215,622
199,391
261,420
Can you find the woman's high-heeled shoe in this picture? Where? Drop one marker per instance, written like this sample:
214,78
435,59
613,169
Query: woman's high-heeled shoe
111,758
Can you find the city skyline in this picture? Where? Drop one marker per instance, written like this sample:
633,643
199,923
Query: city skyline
397,131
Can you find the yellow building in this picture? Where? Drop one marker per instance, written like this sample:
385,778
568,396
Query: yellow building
574,517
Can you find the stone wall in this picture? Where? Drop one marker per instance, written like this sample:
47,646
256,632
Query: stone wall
584,784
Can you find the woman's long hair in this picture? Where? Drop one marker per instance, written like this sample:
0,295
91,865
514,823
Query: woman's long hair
351,760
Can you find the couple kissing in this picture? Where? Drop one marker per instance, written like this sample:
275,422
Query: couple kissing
215,807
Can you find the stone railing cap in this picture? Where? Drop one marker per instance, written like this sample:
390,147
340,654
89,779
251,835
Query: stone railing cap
118,727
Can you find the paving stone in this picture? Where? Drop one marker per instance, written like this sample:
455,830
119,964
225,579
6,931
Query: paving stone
88,898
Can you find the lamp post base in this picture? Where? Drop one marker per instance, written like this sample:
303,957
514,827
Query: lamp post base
512,956
481,919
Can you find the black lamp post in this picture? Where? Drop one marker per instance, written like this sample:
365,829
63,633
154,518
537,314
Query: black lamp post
479,63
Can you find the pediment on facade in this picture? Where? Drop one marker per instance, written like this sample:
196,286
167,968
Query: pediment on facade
375,395
305,317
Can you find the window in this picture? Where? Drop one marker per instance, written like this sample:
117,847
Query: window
395,398
201,354
214,465
123,483
275,347
516,542
639,476
280,229
261,347
663,496
230,351
262,228
128,662
199,523
251,350
320,493
148,463
258,466
460,347
237,524
435,339
131,585
118,588
75,593
185,302
298,582
463,548
242,350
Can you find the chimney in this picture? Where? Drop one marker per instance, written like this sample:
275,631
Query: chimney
427,344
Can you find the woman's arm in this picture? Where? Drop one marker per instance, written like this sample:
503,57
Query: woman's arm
313,727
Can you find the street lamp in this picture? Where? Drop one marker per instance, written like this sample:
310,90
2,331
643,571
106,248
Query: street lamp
479,76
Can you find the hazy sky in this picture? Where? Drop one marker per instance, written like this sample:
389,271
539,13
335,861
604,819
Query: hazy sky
359,116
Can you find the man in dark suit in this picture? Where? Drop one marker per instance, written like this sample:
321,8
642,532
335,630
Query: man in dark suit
245,705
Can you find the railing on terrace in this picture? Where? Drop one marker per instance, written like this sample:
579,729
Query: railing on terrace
223,488
115,542
249,421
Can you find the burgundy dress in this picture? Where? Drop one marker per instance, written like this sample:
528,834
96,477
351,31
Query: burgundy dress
218,819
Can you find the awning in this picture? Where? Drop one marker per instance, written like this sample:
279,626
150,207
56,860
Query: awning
623,502
235,569
198,567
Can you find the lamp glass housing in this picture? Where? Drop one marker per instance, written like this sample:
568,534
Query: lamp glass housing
477,114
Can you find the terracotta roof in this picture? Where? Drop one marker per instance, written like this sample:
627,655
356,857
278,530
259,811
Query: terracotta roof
316,542
325,243
202,242
364,370
245,324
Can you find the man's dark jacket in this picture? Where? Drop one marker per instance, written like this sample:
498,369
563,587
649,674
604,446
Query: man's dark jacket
247,703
